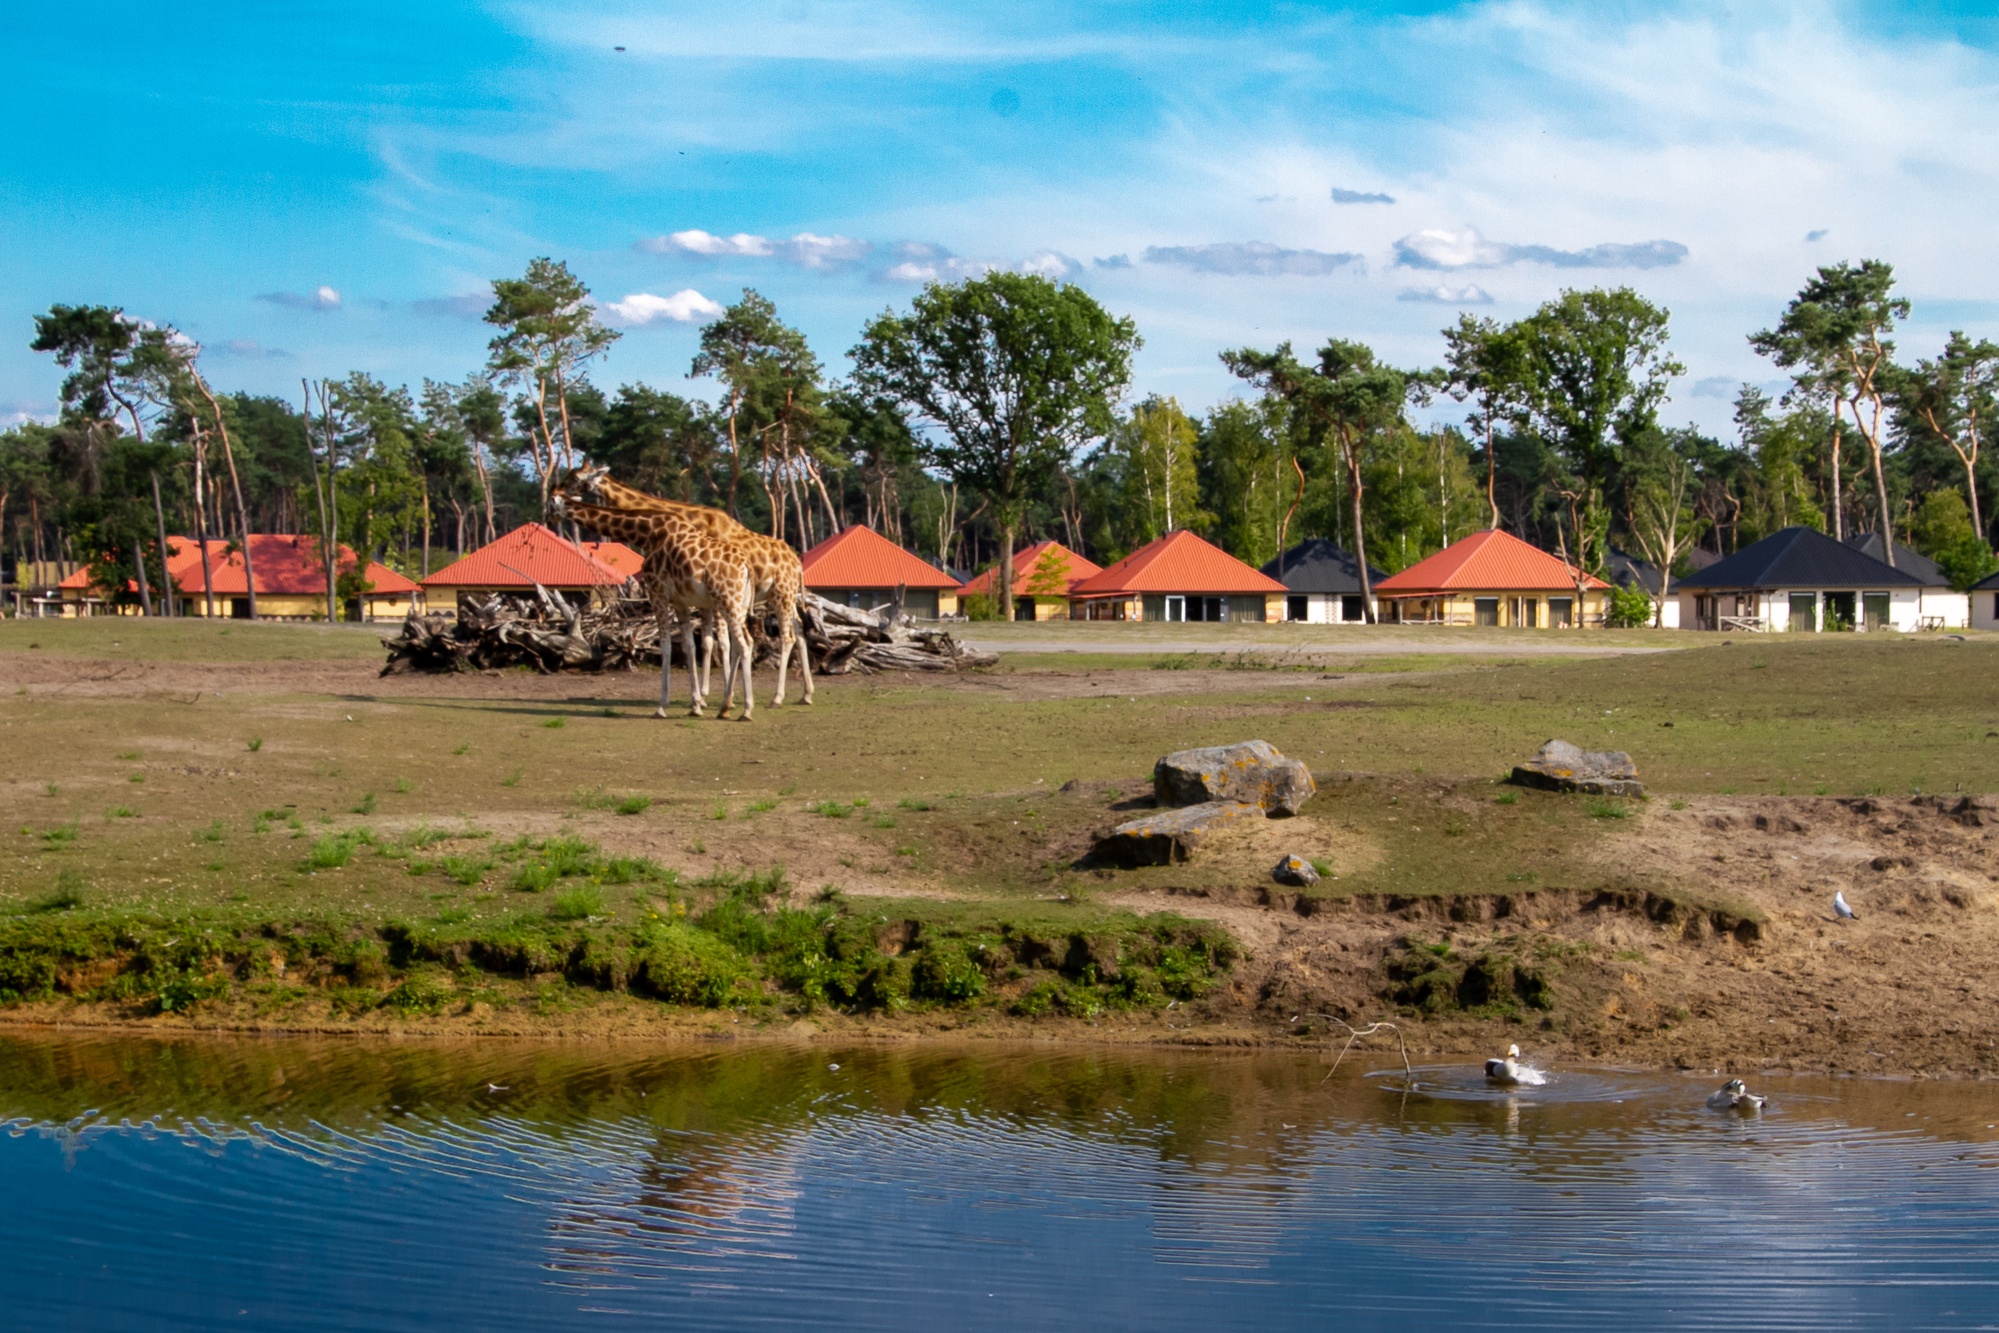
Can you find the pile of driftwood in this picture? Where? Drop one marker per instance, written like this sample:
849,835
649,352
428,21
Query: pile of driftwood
549,634
847,638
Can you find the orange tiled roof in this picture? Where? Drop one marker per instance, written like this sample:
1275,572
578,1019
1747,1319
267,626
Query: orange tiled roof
533,554
1026,566
1179,562
1491,561
617,555
287,566
860,557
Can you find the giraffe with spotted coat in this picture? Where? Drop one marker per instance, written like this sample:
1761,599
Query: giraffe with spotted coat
693,562
777,576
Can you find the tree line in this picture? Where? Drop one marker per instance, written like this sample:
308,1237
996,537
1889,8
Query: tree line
1000,409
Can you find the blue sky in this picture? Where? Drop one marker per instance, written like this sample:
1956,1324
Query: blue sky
328,185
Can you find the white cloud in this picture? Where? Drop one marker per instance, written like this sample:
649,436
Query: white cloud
1439,248
321,298
922,261
683,307
1049,264
1251,258
809,251
806,249
24,410
1469,294
694,241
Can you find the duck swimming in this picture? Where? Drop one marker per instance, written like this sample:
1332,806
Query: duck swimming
1506,1071
1735,1096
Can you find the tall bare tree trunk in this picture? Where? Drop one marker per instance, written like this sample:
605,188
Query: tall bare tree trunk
201,525
160,527
145,590
235,484
1352,450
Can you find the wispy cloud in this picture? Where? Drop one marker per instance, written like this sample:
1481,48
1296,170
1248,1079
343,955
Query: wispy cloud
1360,197
1818,234
1251,258
321,298
1469,294
806,249
472,305
683,307
23,410
249,349
922,261
1440,248
1111,261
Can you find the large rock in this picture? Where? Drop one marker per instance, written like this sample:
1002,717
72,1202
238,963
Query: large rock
1171,835
1296,871
1251,771
1560,766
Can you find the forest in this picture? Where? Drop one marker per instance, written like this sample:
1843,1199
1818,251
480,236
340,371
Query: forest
1001,409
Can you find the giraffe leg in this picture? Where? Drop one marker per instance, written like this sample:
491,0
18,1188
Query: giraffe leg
740,627
804,664
665,659
783,652
699,705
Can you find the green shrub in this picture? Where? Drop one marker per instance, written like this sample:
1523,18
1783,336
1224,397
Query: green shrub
336,849
677,963
943,971
1627,608
67,894
467,870
533,877
577,903
634,805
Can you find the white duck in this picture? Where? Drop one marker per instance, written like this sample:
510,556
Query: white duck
1506,1071
1734,1096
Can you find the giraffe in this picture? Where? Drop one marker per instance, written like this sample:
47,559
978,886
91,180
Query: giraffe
777,576
692,563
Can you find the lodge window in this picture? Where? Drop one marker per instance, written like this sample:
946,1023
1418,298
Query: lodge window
1296,608
1559,610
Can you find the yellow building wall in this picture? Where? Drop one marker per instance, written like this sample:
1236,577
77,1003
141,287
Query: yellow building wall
1462,608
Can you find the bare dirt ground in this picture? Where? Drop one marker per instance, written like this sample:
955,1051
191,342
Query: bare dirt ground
1693,930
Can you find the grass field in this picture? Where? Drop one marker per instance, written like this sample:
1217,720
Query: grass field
264,772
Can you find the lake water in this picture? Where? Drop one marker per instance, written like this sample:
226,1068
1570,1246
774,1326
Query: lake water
301,1184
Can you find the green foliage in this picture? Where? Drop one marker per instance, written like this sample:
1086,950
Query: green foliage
1627,607
634,805
944,971
67,894
577,903
980,605
1942,530
1014,370
337,849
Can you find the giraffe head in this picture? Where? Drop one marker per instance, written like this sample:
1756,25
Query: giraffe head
581,483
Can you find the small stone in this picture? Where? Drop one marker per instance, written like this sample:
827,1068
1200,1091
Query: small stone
1295,871
1171,835
1248,771
1560,766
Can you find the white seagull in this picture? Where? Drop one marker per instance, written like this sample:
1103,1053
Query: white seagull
1505,1071
1839,907
1734,1096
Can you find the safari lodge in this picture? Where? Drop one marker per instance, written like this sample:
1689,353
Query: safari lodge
1492,578
860,567
1178,577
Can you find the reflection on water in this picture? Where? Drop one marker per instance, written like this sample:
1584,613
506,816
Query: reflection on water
294,1184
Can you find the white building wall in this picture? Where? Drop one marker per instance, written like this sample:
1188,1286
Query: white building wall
1953,607
1985,608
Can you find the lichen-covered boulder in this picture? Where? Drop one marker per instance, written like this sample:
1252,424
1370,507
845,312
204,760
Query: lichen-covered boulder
1295,871
1171,835
1250,771
1560,766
